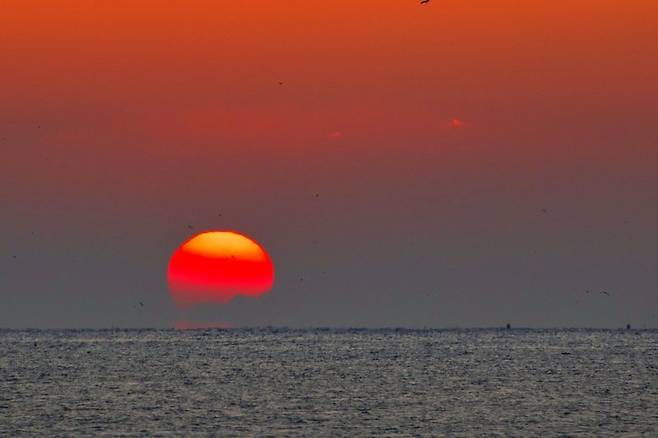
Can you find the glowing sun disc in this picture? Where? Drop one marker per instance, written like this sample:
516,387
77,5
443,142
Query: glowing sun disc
217,266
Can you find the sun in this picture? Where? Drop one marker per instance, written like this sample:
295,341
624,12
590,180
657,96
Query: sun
217,266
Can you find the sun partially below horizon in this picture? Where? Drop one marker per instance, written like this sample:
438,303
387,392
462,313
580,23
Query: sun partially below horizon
217,266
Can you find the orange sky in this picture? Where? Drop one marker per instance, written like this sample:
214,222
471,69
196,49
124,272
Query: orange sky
143,74
158,54
134,115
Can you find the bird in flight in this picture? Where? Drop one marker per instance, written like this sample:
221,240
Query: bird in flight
604,292
422,2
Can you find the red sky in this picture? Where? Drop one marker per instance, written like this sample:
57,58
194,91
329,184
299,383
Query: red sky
136,118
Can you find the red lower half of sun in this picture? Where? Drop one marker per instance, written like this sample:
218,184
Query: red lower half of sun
217,266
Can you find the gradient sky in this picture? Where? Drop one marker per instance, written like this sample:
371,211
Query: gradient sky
121,122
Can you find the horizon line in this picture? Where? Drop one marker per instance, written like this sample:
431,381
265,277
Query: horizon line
334,328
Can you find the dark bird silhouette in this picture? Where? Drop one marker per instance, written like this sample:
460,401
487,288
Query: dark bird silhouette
543,210
317,195
190,227
422,2
141,304
605,292
280,82
587,291
13,257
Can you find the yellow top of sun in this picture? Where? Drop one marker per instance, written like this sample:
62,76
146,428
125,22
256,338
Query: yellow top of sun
224,244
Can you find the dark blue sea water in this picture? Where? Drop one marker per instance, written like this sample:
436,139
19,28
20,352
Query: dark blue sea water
329,382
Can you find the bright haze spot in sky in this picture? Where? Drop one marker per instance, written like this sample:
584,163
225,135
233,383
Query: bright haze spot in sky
456,123
217,266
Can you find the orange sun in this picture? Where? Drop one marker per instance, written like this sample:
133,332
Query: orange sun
217,266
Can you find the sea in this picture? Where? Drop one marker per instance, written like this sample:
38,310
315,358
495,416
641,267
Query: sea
328,382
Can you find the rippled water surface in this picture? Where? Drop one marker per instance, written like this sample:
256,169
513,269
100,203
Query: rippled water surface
324,382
